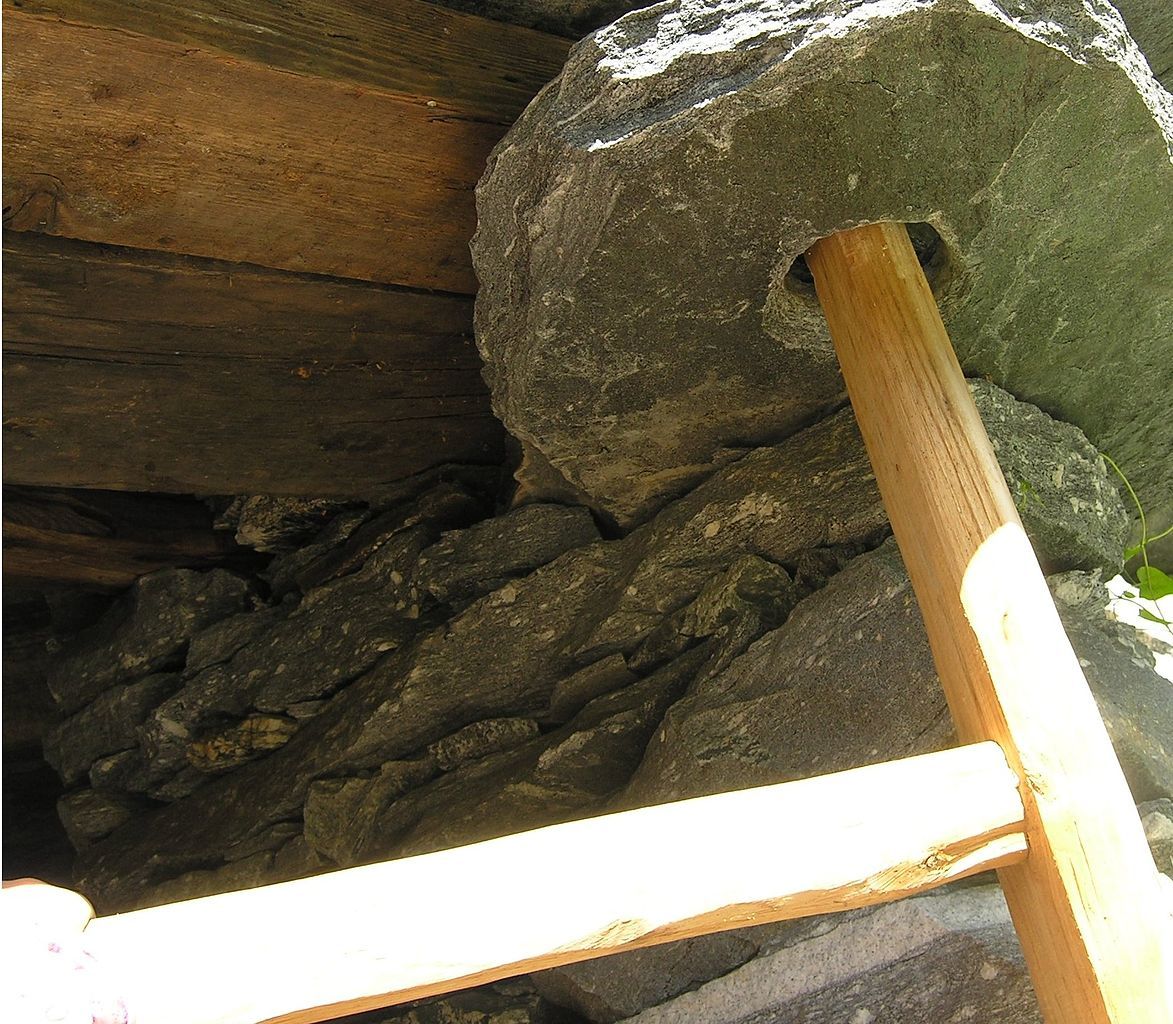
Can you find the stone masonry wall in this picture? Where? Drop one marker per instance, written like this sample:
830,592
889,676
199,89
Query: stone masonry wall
423,675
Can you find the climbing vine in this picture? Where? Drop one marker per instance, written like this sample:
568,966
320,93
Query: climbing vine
1150,583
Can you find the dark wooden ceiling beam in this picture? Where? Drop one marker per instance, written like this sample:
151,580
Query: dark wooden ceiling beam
340,138
129,370
103,541
487,68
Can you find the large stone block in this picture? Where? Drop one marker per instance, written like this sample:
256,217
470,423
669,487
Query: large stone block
638,226
1150,23
948,957
107,726
571,645
848,680
1135,702
467,564
147,631
1069,505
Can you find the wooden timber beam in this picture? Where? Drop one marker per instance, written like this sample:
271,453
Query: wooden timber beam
341,138
129,370
101,540
369,937
1086,902
489,68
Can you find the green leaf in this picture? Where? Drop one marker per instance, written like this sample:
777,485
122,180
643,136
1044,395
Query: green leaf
1132,552
1026,489
1146,614
1154,584
1132,595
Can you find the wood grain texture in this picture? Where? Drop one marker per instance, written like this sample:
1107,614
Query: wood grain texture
369,937
101,540
111,135
127,370
1086,902
485,67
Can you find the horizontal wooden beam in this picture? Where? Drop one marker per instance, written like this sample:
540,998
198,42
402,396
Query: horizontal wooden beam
292,147
369,937
128,370
488,68
101,540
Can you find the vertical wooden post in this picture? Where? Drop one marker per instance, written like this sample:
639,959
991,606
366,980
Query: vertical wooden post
1086,901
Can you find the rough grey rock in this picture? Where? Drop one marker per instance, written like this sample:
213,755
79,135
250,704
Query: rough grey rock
563,775
592,602
510,1002
88,815
795,512
252,737
740,604
442,499
333,636
606,991
271,523
1135,702
130,771
1069,504
340,814
855,654
488,736
1150,23
947,957
246,873
637,225
299,570
1157,818
277,838
264,867
107,726
124,772
468,670
574,692
219,642
813,492
467,564
148,631
848,680
251,679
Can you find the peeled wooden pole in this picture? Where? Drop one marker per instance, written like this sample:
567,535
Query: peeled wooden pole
368,937
1085,902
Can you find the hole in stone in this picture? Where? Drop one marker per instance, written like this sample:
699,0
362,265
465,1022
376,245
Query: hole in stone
930,251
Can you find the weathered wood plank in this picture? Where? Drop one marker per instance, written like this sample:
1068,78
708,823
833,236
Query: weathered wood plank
405,46
115,136
368,937
127,370
104,541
